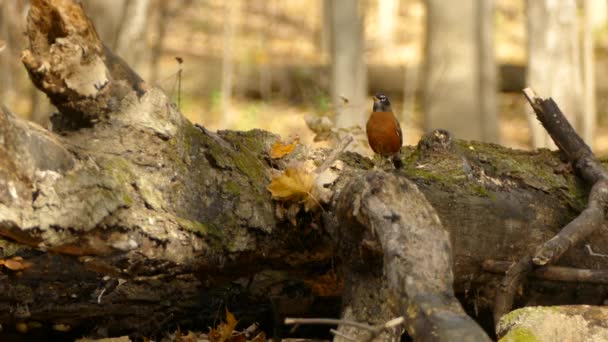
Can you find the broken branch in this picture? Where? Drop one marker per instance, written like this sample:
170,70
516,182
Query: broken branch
584,162
553,273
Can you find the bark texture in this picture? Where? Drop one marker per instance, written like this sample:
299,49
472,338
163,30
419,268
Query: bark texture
136,221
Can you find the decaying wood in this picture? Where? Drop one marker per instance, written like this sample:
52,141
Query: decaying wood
555,273
136,221
67,60
589,220
413,266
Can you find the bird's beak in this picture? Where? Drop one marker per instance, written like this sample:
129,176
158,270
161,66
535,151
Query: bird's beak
375,98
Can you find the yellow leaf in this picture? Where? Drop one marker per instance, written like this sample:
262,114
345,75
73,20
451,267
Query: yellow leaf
16,263
261,337
223,331
279,150
295,184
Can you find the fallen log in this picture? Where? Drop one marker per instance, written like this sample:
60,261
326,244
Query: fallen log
128,219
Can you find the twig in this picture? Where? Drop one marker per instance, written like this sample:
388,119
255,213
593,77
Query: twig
101,295
386,327
329,321
342,145
554,273
180,61
374,330
592,172
592,253
344,336
509,285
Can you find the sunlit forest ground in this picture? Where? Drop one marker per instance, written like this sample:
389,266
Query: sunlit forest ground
273,34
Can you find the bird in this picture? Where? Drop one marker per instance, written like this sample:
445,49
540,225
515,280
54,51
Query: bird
384,131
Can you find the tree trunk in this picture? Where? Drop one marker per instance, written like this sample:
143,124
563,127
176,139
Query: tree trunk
589,115
388,11
487,93
231,13
131,41
162,20
459,82
554,60
349,73
130,219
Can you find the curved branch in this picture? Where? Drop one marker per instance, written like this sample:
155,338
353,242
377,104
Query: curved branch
410,245
589,220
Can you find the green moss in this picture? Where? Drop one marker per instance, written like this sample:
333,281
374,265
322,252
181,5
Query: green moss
120,168
519,334
8,248
475,168
248,148
509,318
232,188
199,228
482,191
538,169
356,160
445,168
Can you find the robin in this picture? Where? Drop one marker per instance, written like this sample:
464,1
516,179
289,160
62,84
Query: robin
383,130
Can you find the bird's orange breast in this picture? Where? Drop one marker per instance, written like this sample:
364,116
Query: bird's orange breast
384,133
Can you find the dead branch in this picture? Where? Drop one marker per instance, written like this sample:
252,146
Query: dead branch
553,273
590,219
374,331
151,222
376,241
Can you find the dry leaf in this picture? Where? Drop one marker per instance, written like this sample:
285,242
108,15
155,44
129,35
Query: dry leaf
224,330
326,285
190,337
261,337
16,263
295,184
2,45
280,150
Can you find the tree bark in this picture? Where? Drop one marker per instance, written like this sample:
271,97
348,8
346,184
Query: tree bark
487,93
348,70
554,67
136,221
589,115
231,11
458,82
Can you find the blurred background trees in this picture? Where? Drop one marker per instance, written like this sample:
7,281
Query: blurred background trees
270,64
460,86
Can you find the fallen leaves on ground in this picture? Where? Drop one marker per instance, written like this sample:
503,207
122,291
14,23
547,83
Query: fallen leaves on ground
15,263
223,332
295,184
280,150
326,285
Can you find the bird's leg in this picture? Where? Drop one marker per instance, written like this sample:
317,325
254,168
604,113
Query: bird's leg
382,162
396,160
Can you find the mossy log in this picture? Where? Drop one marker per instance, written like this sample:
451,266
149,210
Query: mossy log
136,221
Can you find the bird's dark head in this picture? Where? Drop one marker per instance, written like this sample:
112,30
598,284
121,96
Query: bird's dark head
381,103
